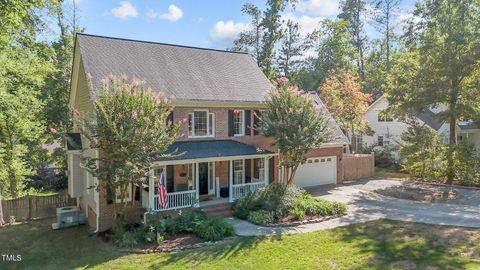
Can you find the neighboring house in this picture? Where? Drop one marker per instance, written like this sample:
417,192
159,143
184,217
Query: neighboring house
218,92
388,130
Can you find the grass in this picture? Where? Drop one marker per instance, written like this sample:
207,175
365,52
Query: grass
390,173
374,245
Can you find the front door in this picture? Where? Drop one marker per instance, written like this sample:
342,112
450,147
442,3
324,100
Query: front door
203,177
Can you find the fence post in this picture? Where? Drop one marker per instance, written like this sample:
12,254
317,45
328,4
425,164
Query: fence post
29,206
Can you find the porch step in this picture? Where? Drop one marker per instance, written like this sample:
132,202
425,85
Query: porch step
221,210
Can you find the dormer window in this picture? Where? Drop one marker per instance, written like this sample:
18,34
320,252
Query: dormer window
201,123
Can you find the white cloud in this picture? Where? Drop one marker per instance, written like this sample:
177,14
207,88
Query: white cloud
307,23
125,10
324,8
223,33
174,14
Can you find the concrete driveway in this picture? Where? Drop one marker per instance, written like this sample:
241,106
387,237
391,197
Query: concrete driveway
366,205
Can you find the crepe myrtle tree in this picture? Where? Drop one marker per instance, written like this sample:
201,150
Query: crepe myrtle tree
130,130
295,123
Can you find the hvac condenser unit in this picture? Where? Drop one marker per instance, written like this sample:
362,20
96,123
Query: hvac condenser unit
68,216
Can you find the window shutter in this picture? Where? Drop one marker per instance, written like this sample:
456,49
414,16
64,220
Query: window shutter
256,122
230,123
256,171
170,178
248,171
271,169
248,122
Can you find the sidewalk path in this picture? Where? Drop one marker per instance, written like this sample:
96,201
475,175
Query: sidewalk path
364,205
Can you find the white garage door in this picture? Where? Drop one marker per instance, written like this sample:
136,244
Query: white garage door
317,171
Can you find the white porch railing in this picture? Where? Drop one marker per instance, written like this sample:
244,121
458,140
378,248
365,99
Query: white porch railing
240,190
177,200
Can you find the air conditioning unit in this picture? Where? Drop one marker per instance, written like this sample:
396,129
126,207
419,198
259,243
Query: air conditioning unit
69,216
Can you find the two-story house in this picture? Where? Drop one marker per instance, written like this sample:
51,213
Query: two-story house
388,130
219,94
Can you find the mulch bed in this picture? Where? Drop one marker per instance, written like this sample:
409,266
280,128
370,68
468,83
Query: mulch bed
173,243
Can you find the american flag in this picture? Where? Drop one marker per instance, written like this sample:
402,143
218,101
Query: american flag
162,192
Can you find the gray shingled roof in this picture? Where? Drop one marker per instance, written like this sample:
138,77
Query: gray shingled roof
338,135
211,149
185,72
429,118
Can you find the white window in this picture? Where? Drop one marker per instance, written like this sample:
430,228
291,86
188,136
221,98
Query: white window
260,166
380,140
201,123
261,169
238,172
238,123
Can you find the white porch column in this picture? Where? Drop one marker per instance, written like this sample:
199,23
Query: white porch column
266,173
151,188
197,185
230,182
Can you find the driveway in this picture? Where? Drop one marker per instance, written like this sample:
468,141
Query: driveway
366,205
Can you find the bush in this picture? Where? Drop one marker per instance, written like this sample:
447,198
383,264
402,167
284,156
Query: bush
261,217
242,206
278,200
467,164
311,206
184,222
213,229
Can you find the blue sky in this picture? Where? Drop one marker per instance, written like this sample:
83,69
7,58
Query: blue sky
201,23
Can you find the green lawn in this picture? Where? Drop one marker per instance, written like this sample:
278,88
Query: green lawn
374,245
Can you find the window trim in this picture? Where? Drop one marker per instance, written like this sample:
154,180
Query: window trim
129,195
242,129
234,171
209,125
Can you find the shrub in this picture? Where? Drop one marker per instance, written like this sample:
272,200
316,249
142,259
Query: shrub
261,217
311,206
242,206
213,229
184,222
126,238
467,164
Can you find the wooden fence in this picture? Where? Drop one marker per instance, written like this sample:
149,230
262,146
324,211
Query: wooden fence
35,207
358,166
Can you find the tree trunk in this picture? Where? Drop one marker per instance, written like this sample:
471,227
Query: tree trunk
451,148
12,179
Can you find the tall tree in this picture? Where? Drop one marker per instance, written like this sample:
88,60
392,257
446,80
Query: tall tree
384,14
292,48
343,95
295,123
442,65
376,69
334,51
251,40
354,12
24,65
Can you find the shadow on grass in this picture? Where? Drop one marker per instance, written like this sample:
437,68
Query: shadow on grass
400,245
232,248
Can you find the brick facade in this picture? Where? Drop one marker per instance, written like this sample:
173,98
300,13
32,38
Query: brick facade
221,167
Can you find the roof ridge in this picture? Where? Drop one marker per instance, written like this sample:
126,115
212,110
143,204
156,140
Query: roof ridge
160,43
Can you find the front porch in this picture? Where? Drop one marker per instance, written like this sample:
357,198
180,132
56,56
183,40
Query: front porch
211,177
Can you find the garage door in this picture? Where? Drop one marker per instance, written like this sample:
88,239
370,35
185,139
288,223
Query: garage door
317,171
